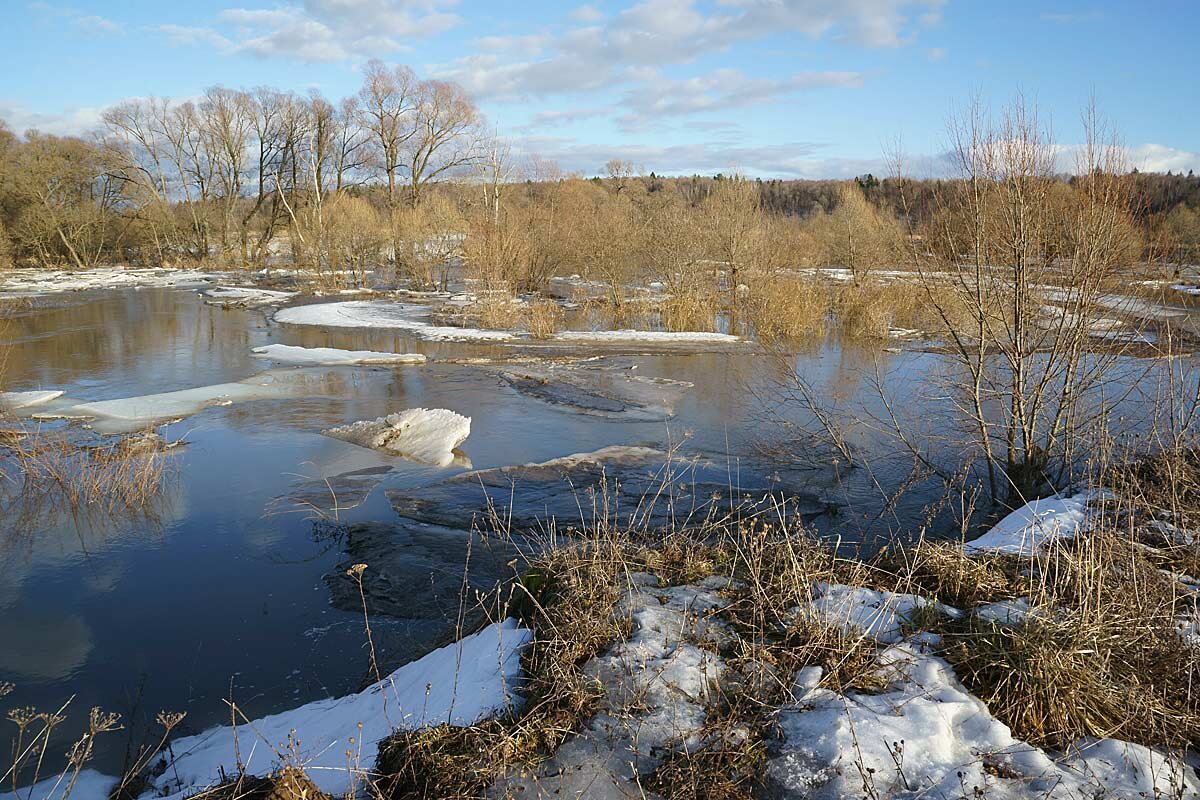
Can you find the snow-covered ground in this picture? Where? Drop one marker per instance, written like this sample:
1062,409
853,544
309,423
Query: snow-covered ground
460,684
331,356
427,435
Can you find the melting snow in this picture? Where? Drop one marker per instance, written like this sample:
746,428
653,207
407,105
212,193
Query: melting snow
35,282
382,314
1026,530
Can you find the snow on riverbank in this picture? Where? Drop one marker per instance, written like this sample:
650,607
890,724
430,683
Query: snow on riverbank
37,282
461,683
414,318
1025,531
926,735
330,356
419,434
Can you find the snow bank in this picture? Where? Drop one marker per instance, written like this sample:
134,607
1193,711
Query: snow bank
13,400
330,356
90,785
459,684
1026,530
420,434
383,314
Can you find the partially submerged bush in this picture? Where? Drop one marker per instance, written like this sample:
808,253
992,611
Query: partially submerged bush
787,308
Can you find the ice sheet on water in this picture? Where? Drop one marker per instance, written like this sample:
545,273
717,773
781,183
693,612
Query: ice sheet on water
248,296
414,317
332,356
14,400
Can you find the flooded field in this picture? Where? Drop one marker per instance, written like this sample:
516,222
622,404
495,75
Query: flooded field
232,583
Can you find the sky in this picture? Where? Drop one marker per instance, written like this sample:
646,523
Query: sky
770,88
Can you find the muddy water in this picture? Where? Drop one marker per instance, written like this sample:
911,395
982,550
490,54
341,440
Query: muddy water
221,588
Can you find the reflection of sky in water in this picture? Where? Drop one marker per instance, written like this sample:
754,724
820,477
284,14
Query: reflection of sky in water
163,614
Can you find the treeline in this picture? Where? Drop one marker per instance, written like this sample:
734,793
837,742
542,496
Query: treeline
403,175
223,177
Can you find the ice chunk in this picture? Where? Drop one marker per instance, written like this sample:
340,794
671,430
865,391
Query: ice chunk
13,400
331,356
428,435
38,282
1026,530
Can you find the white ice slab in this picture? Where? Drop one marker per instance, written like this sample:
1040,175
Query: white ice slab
331,356
427,435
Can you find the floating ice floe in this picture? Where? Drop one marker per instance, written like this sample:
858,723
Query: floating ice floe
428,435
37,282
601,391
248,296
126,414
1025,531
1186,288
382,314
414,318
330,356
14,400
639,487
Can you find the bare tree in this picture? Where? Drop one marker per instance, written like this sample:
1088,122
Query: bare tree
445,137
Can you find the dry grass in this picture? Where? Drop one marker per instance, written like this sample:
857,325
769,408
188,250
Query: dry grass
783,308
543,318
49,472
690,310
865,311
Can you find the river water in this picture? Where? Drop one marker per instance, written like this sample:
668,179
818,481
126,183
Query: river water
220,590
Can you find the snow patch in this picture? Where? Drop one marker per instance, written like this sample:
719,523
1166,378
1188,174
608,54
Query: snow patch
1025,531
38,282
867,612
382,314
419,434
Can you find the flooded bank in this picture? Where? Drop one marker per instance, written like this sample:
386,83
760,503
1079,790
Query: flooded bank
227,584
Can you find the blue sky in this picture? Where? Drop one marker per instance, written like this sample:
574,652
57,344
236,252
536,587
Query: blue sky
787,88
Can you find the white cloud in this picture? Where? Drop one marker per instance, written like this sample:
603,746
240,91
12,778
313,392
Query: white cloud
88,23
190,35
587,13
603,52
72,122
320,30
1160,158
656,98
